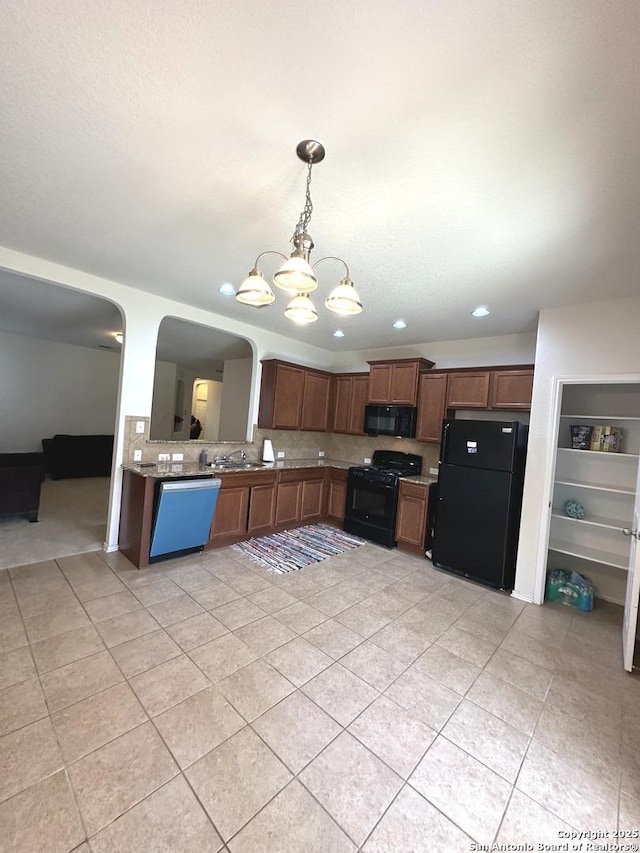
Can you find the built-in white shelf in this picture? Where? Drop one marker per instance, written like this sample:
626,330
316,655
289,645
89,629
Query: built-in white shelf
594,555
594,520
603,453
604,419
601,487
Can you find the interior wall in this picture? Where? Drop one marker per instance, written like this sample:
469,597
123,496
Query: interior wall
214,408
235,400
48,387
164,395
597,338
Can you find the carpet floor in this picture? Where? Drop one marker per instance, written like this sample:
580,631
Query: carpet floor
292,549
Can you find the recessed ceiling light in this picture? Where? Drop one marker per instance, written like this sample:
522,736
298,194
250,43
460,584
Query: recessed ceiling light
399,324
480,311
338,333
119,337
227,289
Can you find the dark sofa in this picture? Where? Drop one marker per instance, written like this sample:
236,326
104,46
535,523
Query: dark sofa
21,475
69,456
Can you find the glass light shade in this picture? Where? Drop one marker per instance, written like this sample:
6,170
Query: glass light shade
343,299
255,291
296,276
301,310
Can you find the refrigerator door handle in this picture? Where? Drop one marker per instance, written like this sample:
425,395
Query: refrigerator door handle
445,441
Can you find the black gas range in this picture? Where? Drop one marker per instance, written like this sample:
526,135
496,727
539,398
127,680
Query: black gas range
372,495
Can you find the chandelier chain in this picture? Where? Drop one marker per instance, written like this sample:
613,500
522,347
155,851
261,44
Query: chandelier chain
305,215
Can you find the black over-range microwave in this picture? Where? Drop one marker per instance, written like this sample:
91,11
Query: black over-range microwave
390,420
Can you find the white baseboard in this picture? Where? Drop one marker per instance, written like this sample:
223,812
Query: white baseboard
109,549
521,597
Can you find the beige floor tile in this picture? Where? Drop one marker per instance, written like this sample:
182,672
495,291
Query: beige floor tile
386,605
393,735
112,605
466,791
300,617
27,756
297,583
54,622
353,785
334,600
120,774
169,821
254,689
299,661
521,673
542,631
12,634
214,594
466,646
236,779
78,680
374,665
143,653
569,792
41,602
423,698
296,729
98,587
539,653
333,638
405,642
192,580
413,588
196,631
167,684
292,822
197,725
265,635
42,818
487,738
484,629
66,648
412,825
91,723
161,590
527,822
16,666
340,693
238,613
175,610
629,814
448,668
631,772
20,705
272,599
361,620
604,712
583,745
223,656
512,705
250,583
120,629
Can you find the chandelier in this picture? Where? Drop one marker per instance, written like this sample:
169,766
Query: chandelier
297,276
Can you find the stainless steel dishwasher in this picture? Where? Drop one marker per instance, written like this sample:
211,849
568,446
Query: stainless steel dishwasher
184,510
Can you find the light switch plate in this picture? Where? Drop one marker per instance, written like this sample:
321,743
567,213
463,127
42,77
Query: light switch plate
177,457
140,426
164,457
137,456
366,460
434,472
281,454
321,453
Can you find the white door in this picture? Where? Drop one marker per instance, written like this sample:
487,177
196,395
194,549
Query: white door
633,586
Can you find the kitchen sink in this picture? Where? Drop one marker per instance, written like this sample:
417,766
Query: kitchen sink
237,466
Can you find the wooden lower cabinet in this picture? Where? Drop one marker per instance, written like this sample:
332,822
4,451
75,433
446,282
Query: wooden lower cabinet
336,495
288,503
300,496
262,504
244,508
312,500
411,520
230,519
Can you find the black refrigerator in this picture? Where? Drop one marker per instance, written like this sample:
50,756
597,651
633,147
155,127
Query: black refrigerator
480,484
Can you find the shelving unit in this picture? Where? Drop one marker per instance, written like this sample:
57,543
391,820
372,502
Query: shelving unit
603,482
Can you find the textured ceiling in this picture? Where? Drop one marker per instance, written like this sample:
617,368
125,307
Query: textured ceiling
476,152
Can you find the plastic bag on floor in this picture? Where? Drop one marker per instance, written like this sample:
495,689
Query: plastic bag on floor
570,588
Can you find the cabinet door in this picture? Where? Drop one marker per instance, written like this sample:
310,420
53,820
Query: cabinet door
404,384
468,390
311,502
412,516
262,504
287,406
315,402
511,389
288,503
230,519
343,404
337,498
380,383
359,394
432,406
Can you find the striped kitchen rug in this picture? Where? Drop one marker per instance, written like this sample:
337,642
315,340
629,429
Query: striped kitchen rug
294,549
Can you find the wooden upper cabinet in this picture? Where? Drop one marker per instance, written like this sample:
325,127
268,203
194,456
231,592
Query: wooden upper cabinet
315,401
396,382
432,406
351,395
359,394
343,390
469,390
511,389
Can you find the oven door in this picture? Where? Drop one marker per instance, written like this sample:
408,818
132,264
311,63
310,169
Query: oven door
371,510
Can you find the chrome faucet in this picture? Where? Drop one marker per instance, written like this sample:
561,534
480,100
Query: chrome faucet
221,459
